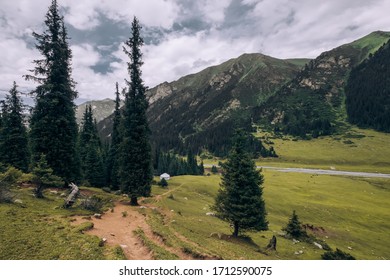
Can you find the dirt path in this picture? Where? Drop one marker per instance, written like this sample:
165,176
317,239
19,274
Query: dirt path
118,229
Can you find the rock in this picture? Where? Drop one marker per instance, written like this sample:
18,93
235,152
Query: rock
349,248
143,207
318,245
300,252
18,201
216,234
97,216
112,234
172,210
186,198
63,194
123,246
295,241
53,192
210,214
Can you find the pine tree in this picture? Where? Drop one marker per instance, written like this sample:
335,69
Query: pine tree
294,227
112,161
239,200
43,177
13,135
214,169
53,122
201,168
135,159
90,149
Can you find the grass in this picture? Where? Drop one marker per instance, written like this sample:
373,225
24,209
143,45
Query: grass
41,229
355,150
353,212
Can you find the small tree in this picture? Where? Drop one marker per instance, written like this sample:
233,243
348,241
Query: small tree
43,177
163,183
214,169
294,227
239,200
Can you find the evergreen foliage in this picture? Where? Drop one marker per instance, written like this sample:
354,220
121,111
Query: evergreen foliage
113,153
53,122
14,149
176,166
163,183
135,150
294,227
214,169
337,255
43,177
91,152
239,200
368,92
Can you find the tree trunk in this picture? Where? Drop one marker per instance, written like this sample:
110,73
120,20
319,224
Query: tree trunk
39,191
134,201
72,196
235,233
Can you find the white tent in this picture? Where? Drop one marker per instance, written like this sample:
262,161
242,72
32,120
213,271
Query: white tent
166,176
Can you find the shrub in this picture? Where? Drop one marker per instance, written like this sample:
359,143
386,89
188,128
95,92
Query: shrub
92,203
163,183
337,255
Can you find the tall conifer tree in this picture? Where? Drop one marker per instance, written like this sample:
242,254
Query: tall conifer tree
13,135
53,122
239,200
91,152
135,159
112,161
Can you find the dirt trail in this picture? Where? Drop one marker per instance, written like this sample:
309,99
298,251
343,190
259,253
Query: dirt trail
118,229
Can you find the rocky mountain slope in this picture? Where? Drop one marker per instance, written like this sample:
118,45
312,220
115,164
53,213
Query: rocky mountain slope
101,109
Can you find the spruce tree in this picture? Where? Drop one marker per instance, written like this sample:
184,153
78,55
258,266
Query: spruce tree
53,122
13,135
294,227
239,200
43,177
135,158
112,161
90,149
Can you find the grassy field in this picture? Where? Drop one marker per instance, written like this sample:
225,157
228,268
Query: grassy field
355,150
41,229
353,212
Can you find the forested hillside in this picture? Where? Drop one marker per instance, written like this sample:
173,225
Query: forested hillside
368,91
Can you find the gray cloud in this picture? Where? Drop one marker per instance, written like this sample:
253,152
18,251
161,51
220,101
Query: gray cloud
181,36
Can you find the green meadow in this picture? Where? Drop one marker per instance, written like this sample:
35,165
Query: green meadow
353,214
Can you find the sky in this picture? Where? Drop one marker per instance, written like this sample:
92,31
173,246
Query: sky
181,36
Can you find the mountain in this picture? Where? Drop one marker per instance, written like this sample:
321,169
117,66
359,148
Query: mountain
101,109
313,103
300,97
199,110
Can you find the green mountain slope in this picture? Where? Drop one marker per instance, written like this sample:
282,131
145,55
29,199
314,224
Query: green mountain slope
199,110
313,102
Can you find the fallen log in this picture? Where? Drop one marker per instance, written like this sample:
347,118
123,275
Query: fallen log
70,200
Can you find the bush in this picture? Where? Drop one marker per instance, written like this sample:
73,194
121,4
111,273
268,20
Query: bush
7,180
163,183
337,255
92,203
294,227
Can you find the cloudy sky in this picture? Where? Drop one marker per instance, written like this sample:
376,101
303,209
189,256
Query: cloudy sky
181,36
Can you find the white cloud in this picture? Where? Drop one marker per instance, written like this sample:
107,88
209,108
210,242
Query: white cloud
280,28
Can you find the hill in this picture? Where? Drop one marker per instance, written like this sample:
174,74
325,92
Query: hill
313,103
